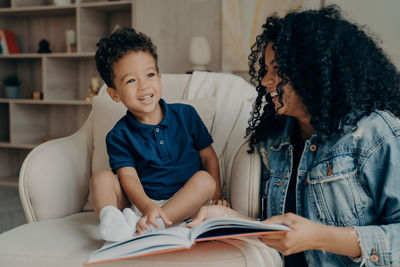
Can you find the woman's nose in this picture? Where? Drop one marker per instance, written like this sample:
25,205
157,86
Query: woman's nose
267,80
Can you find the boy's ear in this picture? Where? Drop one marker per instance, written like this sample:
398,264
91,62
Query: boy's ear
113,94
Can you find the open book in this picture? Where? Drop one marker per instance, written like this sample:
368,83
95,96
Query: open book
181,237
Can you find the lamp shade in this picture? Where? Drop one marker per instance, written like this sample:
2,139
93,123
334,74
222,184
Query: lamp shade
200,52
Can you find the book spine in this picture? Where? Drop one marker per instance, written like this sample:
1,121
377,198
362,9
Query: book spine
4,48
10,42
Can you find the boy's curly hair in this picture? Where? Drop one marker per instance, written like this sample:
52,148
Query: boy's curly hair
331,63
121,42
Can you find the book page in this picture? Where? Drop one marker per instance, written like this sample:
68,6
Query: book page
168,239
224,226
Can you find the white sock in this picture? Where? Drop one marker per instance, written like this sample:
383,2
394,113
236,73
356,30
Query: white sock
131,218
113,225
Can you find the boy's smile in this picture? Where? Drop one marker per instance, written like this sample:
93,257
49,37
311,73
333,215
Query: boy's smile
138,86
146,98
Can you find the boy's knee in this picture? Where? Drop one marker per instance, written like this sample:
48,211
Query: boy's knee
206,181
101,177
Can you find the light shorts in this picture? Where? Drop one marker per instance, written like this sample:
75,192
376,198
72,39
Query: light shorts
159,203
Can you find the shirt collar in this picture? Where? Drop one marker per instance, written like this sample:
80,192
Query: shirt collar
148,127
344,126
167,115
284,138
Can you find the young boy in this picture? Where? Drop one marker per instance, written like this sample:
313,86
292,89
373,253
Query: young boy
161,153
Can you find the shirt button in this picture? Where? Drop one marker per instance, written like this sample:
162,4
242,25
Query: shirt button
313,148
374,258
161,142
157,130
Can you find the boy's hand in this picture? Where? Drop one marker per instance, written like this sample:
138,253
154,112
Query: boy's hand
148,217
221,202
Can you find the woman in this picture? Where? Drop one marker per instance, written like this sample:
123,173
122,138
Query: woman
324,123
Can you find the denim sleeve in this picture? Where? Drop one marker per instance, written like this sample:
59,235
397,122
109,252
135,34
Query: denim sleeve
380,243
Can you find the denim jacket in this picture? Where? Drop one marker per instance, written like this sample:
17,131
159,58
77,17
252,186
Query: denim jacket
351,180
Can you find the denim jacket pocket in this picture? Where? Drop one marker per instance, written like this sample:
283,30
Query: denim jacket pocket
277,186
335,195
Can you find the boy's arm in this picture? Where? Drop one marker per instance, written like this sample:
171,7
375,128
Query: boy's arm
209,162
133,188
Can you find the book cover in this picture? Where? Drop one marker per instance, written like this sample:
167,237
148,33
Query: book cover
180,238
8,42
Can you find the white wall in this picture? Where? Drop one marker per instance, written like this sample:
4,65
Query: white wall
382,19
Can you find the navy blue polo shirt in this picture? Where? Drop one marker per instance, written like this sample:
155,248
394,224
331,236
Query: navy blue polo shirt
166,155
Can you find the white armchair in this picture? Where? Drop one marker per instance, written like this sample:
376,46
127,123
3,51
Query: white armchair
54,183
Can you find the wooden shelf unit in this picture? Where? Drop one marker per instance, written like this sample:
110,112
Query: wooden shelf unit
63,78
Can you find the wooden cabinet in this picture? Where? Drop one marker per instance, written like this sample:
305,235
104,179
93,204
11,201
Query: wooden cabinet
62,78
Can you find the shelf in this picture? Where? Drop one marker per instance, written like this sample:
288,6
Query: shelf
72,55
48,55
45,102
5,3
98,20
107,6
9,181
30,123
27,5
46,25
22,56
4,122
29,71
49,10
11,160
17,146
68,78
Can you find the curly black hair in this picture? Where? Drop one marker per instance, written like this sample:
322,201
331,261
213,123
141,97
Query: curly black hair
331,63
121,42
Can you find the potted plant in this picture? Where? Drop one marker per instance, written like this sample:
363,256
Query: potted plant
12,86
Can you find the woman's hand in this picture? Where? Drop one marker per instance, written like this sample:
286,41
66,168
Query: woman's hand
305,236
309,235
148,217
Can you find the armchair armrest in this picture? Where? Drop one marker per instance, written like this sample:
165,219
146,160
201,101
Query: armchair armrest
54,177
244,190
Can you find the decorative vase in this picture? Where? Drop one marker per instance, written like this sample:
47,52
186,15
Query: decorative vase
199,52
62,2
12,91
